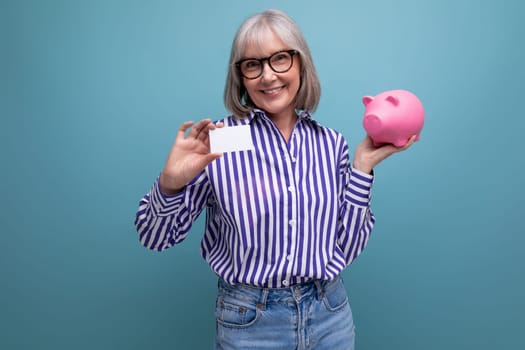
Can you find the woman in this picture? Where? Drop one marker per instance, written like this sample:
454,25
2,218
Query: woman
282,220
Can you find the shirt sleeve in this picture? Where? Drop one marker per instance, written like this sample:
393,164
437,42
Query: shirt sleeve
165,220
355,215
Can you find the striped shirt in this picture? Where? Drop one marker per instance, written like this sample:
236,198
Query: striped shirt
278,215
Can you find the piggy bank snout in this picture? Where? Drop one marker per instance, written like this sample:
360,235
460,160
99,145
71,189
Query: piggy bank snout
372,123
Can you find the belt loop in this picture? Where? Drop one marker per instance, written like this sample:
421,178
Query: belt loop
261,305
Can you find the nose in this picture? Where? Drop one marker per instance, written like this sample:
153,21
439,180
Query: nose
267,71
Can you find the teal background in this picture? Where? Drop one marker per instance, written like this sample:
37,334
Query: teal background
92,93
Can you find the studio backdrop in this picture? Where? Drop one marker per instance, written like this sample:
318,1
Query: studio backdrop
92,94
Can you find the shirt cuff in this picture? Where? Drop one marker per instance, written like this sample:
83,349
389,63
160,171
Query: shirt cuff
164,204
359,187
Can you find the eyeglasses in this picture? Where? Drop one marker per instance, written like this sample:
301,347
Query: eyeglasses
279,62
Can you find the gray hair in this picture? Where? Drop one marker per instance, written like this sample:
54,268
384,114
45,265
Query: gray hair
252,30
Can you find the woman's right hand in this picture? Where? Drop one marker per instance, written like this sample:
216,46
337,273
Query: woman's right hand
188,155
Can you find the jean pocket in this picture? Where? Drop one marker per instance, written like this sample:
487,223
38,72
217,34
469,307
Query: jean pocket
234,313
335,297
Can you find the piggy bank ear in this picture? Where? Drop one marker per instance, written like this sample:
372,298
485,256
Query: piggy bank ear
367,100
393,100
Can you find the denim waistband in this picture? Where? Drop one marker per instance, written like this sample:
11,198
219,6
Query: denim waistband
262,296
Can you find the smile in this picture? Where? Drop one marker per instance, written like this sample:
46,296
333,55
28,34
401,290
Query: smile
273,91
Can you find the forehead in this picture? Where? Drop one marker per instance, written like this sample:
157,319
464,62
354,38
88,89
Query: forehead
263,43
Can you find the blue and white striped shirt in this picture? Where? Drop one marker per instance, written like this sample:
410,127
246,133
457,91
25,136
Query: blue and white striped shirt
282,214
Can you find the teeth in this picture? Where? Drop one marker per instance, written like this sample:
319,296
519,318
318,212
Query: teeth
273,91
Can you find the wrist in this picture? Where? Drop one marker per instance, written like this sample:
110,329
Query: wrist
166,187
362,166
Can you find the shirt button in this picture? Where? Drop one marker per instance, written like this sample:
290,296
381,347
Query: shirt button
291,222
285,283
290,188
289,257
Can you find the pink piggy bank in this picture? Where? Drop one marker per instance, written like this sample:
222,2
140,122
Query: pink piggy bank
393,117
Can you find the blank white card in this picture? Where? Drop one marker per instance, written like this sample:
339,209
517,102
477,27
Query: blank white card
230,139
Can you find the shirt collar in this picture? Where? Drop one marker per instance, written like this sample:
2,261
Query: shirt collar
305,115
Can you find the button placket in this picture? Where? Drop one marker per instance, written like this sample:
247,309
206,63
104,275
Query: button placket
291,158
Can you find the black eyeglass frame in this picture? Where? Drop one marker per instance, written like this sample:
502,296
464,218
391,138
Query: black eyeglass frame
261,61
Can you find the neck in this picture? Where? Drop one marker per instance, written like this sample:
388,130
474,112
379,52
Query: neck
285,124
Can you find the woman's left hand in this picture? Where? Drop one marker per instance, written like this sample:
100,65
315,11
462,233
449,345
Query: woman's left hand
367,156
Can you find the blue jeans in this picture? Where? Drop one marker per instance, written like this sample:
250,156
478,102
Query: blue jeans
314,315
